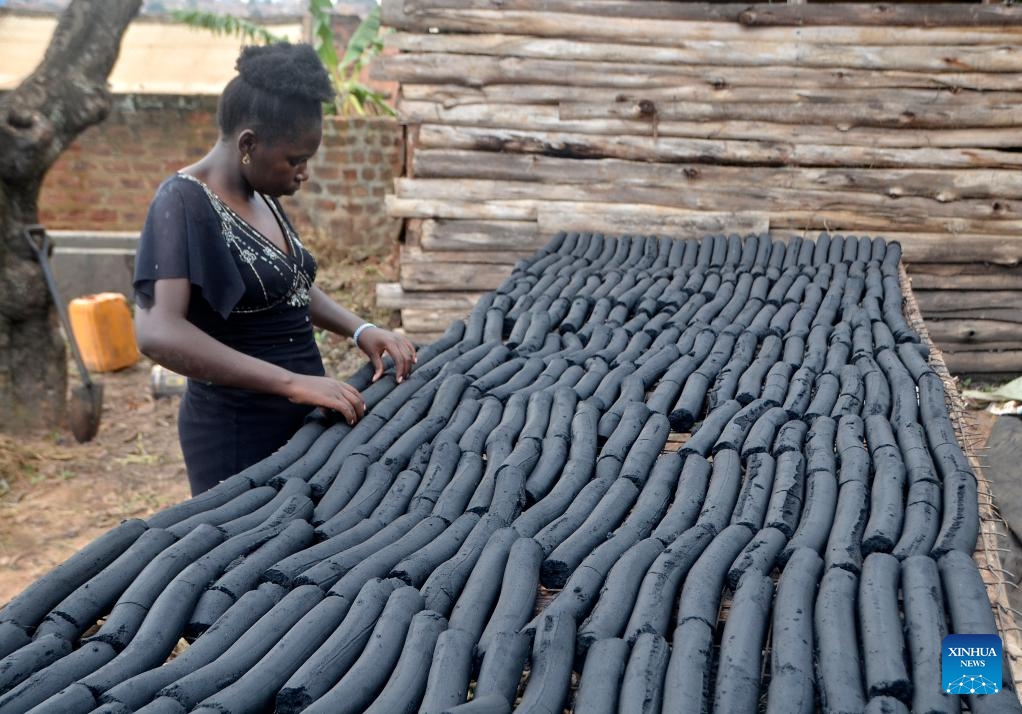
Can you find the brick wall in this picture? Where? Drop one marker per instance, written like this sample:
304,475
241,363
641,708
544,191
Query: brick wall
106,178
340,210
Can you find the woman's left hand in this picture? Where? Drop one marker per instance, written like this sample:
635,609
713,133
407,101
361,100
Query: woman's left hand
375,341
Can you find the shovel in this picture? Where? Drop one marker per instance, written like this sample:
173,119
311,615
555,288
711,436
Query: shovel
86,403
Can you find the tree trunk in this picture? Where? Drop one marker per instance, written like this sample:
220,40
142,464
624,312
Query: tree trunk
66,94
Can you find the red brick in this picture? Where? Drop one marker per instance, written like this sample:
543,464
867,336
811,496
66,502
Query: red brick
369,174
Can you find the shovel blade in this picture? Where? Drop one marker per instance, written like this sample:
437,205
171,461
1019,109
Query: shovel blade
84,411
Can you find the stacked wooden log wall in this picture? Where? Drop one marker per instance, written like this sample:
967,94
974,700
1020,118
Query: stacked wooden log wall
635,116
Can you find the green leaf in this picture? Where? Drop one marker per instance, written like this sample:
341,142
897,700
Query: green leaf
323,35
225,25
363,38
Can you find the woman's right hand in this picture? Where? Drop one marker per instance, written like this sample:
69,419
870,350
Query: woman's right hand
328,393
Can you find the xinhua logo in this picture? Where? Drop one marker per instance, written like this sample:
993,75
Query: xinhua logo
971,664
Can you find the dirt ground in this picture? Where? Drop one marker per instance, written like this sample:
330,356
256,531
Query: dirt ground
57,495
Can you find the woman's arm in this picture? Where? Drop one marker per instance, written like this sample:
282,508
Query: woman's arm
165,335
374,341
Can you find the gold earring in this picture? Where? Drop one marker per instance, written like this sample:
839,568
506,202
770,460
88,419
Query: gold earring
246,159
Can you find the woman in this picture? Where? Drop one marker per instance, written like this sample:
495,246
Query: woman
225,289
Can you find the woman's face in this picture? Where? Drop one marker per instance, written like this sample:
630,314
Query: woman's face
278,168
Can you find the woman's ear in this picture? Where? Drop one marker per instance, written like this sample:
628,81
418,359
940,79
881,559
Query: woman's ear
246,142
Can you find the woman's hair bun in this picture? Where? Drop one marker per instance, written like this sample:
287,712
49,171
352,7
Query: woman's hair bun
285,69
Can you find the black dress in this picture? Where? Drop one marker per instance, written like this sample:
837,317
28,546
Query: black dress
246,293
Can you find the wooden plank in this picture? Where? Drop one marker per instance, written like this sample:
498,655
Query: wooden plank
974,331
479,70
746,52
938,184
391,296
682,20
984,362
763,198
481,235
677,150
540,117
620,219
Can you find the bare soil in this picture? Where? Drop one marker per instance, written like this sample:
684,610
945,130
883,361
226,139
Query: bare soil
57,495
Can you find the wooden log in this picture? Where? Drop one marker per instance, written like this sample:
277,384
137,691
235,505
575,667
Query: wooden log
736,52
949,248
975,331
481,235
485,257
677,150
420,271
959,347
942,185
423,320
465,210
392,297
791,123
1003,305
868,22
619,219
964,276
980,362
844,115
479,70
451,95
421,338
995,314
413,231
888,14
765,199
